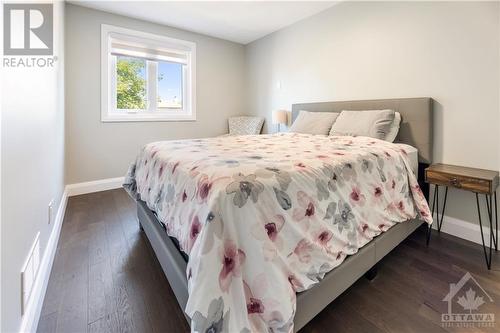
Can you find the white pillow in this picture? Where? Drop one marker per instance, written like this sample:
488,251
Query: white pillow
393,131
371,123
313,122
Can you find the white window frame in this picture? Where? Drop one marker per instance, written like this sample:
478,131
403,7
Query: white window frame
109,113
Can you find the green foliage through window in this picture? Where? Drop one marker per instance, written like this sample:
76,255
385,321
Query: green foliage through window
131,83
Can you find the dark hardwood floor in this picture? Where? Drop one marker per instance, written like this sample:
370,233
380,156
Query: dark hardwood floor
105,278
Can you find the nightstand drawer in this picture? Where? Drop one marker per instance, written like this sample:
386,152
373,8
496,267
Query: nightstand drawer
462,182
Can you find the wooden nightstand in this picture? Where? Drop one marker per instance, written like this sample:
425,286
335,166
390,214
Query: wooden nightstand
478,181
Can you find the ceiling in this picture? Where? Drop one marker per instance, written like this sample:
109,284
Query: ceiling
239,21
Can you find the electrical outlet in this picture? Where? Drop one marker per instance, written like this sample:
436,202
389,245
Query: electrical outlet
51,207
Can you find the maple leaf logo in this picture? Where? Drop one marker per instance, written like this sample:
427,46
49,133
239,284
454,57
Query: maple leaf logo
470,301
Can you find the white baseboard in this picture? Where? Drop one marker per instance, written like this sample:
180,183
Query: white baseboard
465,230
31,316
94,186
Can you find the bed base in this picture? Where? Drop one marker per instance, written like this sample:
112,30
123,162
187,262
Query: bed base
309,302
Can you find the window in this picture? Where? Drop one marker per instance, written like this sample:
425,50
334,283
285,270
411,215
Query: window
146,77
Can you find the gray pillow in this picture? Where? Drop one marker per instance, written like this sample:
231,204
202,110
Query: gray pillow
313,122
371,123
393,131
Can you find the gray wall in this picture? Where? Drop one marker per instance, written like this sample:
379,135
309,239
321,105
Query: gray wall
366,50
96,150
32,141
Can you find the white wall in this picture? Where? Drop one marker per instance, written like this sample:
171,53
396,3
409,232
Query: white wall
367,50
97,150
32,148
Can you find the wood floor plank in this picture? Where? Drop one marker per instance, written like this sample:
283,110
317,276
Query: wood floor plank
108,323
102,300
392,300
126,212
72,314
341,317
98,246
47,323
53,296
106,278
132,314
115,237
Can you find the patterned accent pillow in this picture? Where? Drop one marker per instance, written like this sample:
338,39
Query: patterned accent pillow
245,125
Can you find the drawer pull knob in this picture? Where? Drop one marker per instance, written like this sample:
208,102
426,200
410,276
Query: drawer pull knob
454,182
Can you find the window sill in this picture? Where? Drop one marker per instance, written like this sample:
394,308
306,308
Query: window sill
114,118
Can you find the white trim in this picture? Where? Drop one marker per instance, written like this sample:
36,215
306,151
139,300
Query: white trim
463,229
108,98
143,116
31,316
94,186
152,85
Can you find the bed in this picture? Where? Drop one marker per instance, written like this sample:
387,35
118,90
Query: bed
234,275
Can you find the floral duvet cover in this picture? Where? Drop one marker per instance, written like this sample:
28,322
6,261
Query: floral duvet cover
265,216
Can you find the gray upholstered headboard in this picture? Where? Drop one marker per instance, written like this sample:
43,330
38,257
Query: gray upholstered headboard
416,118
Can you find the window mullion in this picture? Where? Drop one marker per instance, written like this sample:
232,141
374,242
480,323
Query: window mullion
112,83
186,94
152,81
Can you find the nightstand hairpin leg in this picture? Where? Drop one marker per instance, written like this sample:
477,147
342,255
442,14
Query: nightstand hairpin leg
490,215
496,223
493,233
435,206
